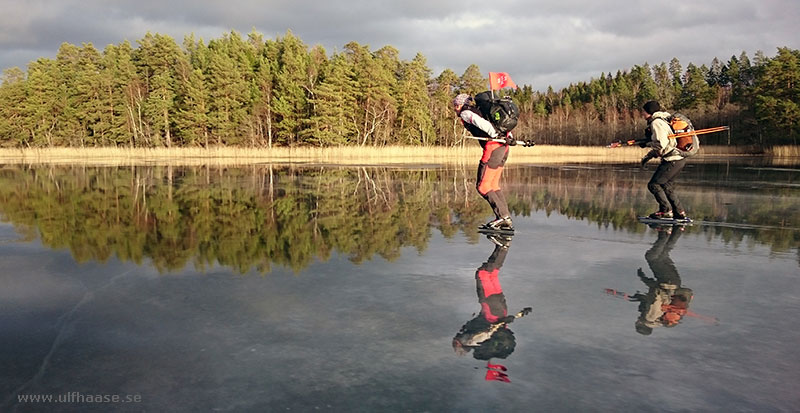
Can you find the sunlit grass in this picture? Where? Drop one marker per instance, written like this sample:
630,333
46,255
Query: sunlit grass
786,151
401,155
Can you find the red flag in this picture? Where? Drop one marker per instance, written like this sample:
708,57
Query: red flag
499,80
492,375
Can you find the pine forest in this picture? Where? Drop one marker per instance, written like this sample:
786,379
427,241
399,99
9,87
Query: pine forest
254,92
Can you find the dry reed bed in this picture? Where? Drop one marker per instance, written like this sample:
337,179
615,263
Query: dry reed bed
398,155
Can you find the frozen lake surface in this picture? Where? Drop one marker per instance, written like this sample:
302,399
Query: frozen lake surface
343,289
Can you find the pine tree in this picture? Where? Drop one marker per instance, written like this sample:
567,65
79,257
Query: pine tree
244,54
414,120
374,86
70,128
317,65
263,98
333,102
229,91
160,61
626,99
290,102
777,104
746,70
664,90
194,113
197,51
696,92
472,81
92,99
224,89
14,122
676,71
644,86
158,107
714,74
192,118
445,122
385,69
43,106
129,122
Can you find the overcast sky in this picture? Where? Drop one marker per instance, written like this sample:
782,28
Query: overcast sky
539,43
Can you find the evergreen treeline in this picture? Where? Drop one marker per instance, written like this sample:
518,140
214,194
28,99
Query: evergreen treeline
261,216
256,92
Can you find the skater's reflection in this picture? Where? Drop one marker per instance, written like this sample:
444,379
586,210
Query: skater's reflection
666,302
487,335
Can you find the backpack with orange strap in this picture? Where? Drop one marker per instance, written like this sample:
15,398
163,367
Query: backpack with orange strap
678,306
687,143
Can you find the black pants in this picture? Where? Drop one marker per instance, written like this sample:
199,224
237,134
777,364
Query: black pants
662,185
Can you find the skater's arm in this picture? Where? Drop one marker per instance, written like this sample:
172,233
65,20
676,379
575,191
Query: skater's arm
660,138
473,118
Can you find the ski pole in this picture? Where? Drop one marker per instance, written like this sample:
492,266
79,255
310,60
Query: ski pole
617,294
525,143
525,311
708,319
699,132
631,142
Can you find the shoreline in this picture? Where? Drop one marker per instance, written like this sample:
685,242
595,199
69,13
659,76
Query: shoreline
391,155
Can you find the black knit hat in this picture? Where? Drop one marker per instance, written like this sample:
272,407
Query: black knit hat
651,107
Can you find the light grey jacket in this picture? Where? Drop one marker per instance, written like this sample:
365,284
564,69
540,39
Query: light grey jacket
663,146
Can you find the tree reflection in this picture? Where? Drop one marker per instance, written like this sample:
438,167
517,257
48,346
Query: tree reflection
243,218
257,217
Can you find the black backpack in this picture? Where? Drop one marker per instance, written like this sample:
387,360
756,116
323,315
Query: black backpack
502,112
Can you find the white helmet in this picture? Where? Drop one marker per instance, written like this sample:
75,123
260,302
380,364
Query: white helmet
460,100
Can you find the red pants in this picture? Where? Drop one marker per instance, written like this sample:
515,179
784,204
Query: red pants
490,169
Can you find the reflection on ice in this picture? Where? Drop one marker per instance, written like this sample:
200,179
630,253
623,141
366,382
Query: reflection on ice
129,281
488,335
666,301
263,216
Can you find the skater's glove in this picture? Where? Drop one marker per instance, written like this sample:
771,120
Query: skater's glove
510,141
644,161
